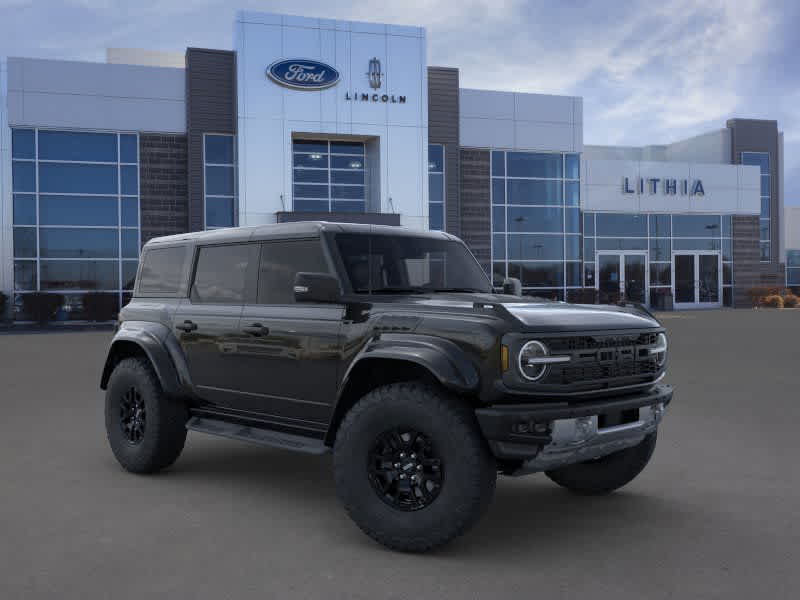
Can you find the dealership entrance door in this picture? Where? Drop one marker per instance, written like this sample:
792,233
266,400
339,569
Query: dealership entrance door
622,276
697,279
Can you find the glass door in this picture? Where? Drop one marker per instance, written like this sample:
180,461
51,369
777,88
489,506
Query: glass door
622,276
697,279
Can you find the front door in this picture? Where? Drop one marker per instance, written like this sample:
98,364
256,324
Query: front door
622,276
697,279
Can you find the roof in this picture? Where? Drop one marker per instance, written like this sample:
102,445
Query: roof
290,230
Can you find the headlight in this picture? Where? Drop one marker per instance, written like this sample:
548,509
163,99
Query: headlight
660,350
533,360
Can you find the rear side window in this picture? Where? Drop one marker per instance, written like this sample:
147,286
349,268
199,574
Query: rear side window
221,274
280,262
163,270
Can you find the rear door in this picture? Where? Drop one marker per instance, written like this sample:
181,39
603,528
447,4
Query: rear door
289,352
207,323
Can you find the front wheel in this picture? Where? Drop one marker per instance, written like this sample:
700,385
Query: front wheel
412,468
146,429
606,474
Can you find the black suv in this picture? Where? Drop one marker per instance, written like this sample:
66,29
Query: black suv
388,348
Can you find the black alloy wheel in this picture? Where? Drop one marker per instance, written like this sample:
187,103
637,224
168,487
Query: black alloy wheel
404,470
132,416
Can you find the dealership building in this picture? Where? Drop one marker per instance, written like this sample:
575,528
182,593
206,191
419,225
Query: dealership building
344,121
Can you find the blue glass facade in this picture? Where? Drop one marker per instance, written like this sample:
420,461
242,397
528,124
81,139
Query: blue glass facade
436,186
761,160
219,166
536,235
793,268
328,176
76,214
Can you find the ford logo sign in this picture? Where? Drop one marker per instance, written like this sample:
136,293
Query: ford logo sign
303,74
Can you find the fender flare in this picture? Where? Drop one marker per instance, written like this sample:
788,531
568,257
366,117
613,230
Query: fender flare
162,350
446,361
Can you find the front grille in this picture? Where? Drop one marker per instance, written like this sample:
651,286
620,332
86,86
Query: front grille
599,359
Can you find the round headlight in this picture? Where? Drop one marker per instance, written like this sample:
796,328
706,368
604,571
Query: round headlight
660,350
529,368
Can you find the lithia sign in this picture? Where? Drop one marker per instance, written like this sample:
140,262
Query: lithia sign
667,186
306,74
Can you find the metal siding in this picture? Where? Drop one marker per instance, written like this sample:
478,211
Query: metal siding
443,128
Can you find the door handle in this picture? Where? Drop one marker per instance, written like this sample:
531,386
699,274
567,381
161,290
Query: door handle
186,326
256,329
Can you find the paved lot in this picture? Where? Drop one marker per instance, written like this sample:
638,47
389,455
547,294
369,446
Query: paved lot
715,515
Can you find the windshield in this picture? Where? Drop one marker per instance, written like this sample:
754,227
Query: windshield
395,264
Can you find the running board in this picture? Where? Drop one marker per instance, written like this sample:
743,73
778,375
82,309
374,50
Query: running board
265,437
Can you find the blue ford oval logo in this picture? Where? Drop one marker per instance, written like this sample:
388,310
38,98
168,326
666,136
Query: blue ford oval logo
303,74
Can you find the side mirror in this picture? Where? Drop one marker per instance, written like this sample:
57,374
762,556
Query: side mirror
316,287
512,286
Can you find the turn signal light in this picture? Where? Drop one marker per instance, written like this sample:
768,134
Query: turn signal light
504,357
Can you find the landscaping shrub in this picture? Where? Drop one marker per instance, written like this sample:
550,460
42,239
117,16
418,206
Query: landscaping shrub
790,301
773,301
100,307
758,295
41,306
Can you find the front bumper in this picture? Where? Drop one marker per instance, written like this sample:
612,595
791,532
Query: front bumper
550,435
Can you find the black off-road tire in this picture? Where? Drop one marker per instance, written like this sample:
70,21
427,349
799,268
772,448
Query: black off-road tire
163,434
606,474
469,471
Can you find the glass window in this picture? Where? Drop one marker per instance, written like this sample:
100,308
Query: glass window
535,247
220,275
23,176
130,212
498,273
499,247
727,249
347,206
588,249
219,149
163,270
129,180
347,148
498,163
727,226
130,243
621,243
527,191
535,219
759,159
348,162
347,192
25,275
219,212
435,158
530,164
727,273
498,191
621,225
77,210
539,274
696,225
280,263
660,226
24,242
24,209
588,224
572,191
59,242
311,205
660,274
660,249
572,220
128,148
764,229
77,178
311,161
793,277
23,143
312,146
727,297
765,251
695,244
77,146
219,181
588,274
765,207
436,187
436,216
573,274
80,275
357,177
129,273
793,258
765,191
572,247
573,166
312,175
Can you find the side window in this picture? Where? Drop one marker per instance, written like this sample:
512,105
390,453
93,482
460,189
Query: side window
220,276
280,262
163,270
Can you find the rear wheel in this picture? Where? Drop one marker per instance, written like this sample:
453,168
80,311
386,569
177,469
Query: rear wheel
146,429
412,468
606,474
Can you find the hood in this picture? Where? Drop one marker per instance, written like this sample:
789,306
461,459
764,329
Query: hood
556,316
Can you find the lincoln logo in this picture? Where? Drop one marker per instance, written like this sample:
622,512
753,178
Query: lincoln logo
667,186
301,74
374,74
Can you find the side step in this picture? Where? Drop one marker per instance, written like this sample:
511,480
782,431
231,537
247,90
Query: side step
265,437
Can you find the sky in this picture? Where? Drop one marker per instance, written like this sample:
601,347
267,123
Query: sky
649,72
